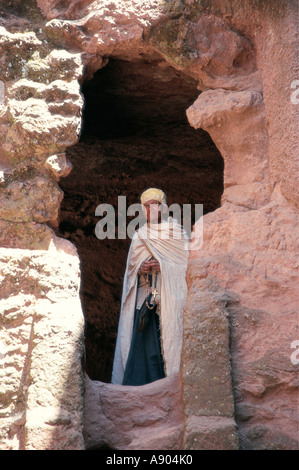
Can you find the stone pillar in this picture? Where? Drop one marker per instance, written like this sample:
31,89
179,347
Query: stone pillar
206,373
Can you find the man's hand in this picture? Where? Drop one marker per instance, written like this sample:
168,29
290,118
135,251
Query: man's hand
147,266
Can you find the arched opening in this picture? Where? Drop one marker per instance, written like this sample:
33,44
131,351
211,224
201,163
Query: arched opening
135,135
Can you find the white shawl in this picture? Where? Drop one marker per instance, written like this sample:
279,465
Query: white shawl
168,243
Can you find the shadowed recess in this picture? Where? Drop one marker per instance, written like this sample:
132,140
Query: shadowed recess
135,134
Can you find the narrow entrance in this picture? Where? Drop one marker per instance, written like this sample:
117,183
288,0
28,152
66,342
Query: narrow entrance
135,135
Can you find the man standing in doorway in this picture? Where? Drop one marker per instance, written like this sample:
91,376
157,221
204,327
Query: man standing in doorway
156,263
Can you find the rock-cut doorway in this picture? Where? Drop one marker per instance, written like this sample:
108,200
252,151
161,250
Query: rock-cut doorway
135,134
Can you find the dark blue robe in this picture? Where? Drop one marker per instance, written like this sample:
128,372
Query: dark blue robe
145,361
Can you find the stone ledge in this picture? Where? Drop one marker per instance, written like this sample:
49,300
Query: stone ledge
128,417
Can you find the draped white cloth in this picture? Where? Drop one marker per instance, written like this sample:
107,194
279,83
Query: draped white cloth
168,243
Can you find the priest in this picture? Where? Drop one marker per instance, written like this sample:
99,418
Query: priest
156,264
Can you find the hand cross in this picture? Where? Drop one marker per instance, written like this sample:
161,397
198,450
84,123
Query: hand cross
154,292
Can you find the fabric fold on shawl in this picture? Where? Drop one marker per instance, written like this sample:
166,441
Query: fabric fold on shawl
168,243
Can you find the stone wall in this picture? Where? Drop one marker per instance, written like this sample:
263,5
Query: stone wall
237,387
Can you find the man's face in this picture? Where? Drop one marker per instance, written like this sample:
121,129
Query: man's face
153,211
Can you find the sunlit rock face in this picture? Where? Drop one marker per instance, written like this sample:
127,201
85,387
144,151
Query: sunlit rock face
102,98
41,348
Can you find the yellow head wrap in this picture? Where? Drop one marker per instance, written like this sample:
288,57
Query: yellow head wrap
153,193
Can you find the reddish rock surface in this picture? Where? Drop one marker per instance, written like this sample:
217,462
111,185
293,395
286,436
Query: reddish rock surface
149,417
232,67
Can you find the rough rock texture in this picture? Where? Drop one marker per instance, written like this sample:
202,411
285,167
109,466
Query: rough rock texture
262,326
231,116
41,346
150,417
238,385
